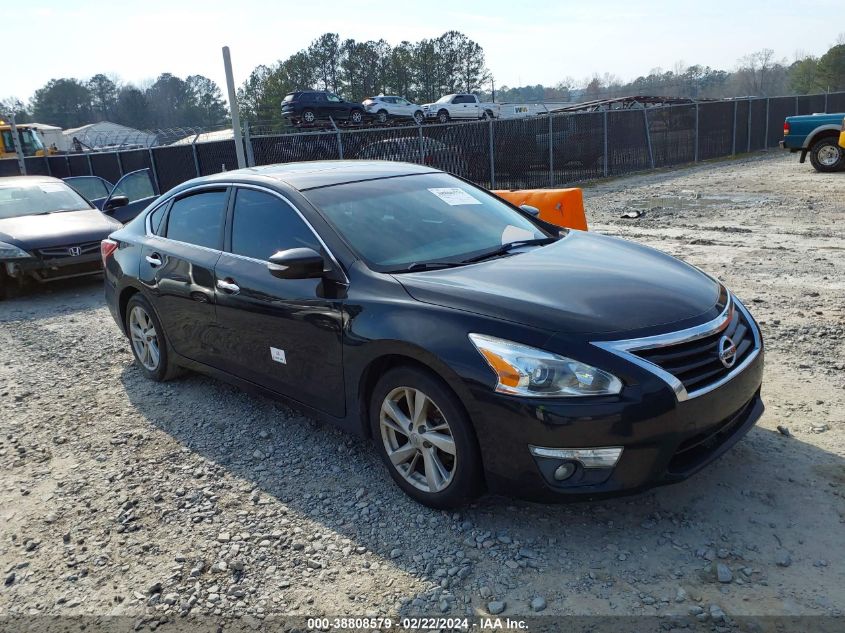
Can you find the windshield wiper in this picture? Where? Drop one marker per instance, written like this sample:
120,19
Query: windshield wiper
427,266
506,248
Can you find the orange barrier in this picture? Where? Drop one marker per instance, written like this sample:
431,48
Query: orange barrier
564,207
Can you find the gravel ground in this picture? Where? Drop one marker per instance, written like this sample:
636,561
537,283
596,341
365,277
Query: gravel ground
119,496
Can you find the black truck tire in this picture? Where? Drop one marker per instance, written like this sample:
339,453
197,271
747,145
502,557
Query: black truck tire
826,155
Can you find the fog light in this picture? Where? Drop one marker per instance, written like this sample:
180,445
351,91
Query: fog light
564,471
588,457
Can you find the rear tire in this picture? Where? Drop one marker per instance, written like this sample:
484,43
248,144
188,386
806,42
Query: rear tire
826,155
148,341
356,117
425,438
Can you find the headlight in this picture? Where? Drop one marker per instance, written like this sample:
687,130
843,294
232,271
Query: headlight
8,251
527,371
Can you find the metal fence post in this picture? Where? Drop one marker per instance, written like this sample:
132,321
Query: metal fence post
825,101
250,156
766,133
605,133
695,152
551,154
47,163
796,105
90,166
196,156
119,163
648,137
492,156
421,143
748,135
233,108
339,139
154,171
733,132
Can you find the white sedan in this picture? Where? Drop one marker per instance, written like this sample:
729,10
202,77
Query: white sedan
391,107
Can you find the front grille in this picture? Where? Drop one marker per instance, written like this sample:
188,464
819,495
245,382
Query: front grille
696,364
60,252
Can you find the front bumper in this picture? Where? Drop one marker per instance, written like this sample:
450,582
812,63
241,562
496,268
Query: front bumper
44,270
663,440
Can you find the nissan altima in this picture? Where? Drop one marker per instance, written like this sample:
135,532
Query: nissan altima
479,347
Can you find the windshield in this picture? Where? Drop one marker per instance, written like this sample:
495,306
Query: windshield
30,142
444,99
393,223
41,197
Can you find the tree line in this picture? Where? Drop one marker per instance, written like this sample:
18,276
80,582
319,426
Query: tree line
421,71
167,102
759,74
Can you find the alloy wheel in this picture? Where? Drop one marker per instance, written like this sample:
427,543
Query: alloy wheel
144,337
418,439
828,155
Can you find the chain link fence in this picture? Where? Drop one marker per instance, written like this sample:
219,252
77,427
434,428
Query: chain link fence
522,153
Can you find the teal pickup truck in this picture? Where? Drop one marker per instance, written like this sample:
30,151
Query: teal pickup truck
818,136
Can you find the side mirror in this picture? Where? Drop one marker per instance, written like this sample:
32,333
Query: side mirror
530,210
115,202
296,263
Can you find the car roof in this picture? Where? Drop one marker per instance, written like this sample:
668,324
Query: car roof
18,181
319,173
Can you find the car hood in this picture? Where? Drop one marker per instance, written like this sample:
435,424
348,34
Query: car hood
56,229
584,283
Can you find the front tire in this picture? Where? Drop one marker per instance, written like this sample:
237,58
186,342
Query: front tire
147,340
381,116
826,155
419,117
443,116
425,438
309,116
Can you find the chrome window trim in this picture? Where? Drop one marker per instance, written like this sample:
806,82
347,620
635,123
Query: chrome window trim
170,198
624,349
235,185
305,221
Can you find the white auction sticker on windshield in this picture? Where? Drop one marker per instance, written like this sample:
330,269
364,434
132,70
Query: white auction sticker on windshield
453,196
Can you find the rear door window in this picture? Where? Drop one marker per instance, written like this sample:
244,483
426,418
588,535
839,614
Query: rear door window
198,219
263,224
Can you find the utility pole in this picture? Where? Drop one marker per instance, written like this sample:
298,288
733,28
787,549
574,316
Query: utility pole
492,89
233,108
17,142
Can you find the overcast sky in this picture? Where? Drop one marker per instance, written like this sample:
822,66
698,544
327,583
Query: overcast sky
526,41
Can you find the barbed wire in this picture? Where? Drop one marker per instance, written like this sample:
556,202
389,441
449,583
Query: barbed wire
124,139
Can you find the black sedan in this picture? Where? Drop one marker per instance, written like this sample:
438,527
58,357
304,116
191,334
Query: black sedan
477,345
48,232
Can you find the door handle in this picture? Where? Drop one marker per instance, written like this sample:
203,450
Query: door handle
228,286
153,260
